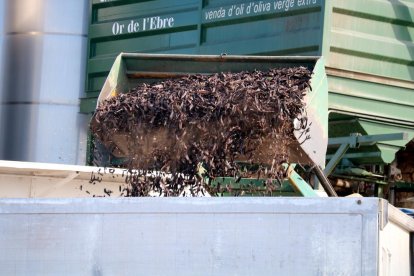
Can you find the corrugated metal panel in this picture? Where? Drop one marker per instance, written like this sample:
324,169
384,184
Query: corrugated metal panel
373,37
370,58
373,99
370,51
198,27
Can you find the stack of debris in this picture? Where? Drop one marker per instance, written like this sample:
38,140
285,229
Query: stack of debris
204,125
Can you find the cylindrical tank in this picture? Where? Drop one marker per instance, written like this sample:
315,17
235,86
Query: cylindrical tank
2,54
2,33
45,50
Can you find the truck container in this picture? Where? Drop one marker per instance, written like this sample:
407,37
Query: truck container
367,46
208,236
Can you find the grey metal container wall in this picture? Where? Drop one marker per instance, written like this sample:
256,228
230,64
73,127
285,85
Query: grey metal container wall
45,47
203,236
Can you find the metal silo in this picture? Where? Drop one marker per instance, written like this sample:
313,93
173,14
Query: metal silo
45,49
2,61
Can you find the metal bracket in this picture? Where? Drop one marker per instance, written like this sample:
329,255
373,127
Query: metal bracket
354,141
299,184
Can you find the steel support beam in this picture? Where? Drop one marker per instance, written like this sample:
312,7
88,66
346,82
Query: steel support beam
335,159
355,140
366,140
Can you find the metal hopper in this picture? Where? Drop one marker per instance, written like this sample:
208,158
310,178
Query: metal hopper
130,69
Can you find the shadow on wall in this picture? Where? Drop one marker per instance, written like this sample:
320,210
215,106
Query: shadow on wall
402,33
401,30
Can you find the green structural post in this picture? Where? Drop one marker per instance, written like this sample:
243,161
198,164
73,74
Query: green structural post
299,184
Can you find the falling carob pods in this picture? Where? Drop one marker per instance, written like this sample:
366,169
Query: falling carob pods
177,131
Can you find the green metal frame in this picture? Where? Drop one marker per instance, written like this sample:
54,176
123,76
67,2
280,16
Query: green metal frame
89,149
293,185
299,184
249,186
355,140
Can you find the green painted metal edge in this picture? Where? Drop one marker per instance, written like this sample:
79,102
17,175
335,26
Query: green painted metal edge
116,82
404,185
299,184
354,141
326,32
293,184
382,152
250,186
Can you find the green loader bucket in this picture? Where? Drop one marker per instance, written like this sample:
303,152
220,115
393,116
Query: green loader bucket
130,69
